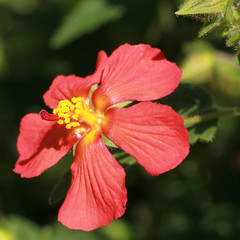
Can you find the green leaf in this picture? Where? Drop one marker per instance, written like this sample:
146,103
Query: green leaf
191,102
108,142
204,131
210,26
121,104
60,190
234,39
238,59
229,13
188,100
123,158
86,16
207,123
203,7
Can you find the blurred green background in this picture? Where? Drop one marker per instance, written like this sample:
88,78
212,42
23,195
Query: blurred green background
40,39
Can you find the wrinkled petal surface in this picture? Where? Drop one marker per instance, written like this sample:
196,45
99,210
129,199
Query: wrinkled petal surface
67,87
137,72
152,133
97,194
41,144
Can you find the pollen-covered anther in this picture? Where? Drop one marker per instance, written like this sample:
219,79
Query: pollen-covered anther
73,113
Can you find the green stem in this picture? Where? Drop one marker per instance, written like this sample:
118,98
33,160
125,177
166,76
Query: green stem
227,112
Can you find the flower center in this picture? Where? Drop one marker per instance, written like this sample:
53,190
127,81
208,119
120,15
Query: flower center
73,113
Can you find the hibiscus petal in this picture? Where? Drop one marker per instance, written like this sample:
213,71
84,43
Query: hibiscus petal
67,87
152,133
137,73
41,144
97,194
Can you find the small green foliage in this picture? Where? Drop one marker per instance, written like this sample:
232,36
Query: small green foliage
108,142
123,158
210,26
196,107
202,7
121,104
204,131
194,103
234,36
188,100
86,16
223,14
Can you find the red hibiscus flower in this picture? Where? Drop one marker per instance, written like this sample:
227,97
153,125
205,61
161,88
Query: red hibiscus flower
152,133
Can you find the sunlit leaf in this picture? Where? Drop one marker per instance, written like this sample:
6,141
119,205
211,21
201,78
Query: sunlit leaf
234,38
210,26
86,16
202,7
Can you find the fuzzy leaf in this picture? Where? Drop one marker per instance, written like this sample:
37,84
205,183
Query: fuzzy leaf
203,7
210,26
86,16
234,39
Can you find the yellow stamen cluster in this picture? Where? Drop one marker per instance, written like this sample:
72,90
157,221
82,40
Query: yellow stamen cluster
73,112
